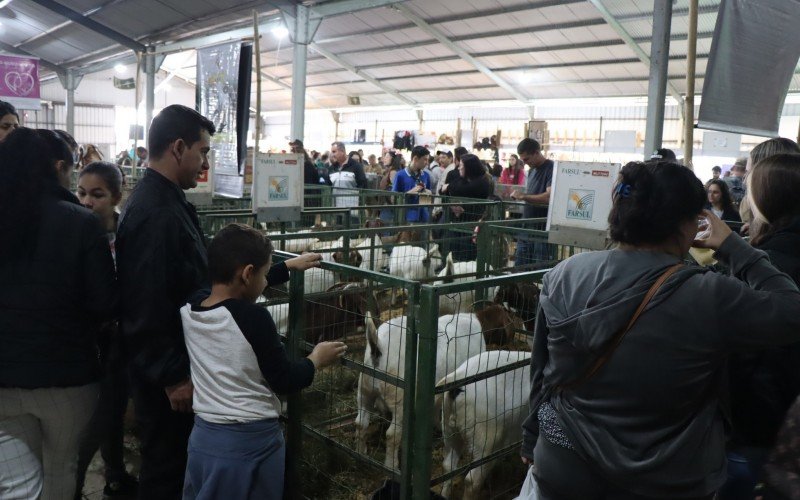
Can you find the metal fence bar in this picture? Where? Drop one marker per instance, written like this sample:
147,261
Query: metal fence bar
477,463
294,427
410,376
423,403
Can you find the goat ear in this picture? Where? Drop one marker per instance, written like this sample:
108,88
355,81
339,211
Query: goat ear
338,257
450,268
372,335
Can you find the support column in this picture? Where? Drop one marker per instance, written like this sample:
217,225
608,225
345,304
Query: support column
659,64
302,28
150,88
70,81
691,57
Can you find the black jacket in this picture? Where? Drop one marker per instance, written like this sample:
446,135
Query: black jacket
161,261
730,214
764,384
479,188
55,298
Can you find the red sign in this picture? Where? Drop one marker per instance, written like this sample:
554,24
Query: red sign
600,173
290,162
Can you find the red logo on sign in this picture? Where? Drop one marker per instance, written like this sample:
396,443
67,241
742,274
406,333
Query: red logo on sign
291,162
203,177
599,173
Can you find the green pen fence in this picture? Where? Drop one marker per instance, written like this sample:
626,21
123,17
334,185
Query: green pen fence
432,321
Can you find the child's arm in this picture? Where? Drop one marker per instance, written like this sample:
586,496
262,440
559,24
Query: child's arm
282,375
279,273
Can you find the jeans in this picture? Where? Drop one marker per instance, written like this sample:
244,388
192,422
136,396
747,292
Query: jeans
531,252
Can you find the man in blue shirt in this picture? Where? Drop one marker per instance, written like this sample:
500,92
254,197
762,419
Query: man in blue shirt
414,180
536,198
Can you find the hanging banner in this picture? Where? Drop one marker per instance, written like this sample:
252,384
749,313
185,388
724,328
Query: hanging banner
753,57
217,89
19,81
278,187
580,201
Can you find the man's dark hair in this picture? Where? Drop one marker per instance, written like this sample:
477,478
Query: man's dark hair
652,200
176,122
234,247
716,168
6,108
419,152
529,146
448,154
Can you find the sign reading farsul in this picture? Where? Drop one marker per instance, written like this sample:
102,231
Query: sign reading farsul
580,201
278,187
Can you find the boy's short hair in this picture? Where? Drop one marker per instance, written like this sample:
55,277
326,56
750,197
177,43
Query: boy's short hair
234,247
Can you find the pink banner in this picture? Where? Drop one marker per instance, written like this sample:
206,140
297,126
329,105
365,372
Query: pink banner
19,81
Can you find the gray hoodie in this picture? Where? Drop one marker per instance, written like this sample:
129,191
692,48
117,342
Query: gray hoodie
650,420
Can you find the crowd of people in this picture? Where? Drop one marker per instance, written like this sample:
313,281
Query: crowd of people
651,377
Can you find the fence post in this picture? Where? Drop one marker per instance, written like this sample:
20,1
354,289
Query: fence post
409,392
427,329
294,427
484,256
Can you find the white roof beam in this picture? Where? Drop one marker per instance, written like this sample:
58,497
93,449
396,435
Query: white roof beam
349,67
633,45
340,7
463,54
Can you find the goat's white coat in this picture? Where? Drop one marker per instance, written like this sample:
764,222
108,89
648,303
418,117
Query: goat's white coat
460,301
484,416
459,337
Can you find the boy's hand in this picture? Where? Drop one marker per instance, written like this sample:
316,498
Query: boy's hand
180,396
305,261
327,353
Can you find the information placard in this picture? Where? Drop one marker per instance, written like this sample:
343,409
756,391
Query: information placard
278,187
580,201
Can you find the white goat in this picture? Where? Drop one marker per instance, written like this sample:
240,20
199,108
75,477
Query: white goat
413,263
460,301
484,416
459,337
295,245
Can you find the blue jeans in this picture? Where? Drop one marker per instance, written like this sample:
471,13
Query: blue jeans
744,467
531,252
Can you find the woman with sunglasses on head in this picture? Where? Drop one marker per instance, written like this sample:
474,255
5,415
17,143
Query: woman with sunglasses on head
57,287
627,384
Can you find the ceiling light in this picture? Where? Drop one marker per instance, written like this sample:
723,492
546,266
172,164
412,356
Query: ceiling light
525,77
280,32
120,69
4,3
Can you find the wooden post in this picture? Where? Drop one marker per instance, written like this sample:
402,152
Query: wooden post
691,56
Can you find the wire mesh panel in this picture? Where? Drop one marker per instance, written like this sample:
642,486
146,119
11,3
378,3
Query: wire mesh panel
357,409
477,391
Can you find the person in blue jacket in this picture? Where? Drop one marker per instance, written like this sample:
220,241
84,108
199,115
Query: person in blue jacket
414,180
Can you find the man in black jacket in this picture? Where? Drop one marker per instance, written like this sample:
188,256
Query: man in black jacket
161,259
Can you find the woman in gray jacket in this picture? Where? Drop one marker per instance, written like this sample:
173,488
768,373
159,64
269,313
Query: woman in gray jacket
630,406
